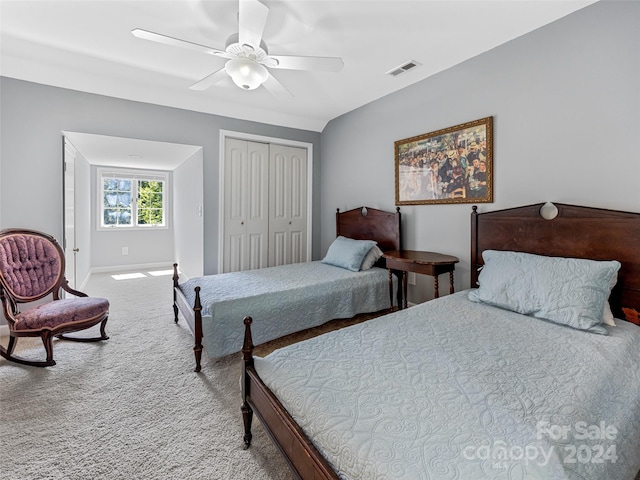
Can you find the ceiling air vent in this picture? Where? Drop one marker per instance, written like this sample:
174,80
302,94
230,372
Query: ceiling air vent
394,72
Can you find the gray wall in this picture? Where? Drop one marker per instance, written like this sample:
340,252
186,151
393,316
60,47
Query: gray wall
566,106
34,116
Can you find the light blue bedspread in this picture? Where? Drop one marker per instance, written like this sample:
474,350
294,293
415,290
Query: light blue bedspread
282,300
452,389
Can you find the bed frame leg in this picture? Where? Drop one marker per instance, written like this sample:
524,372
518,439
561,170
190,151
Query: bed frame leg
197,349
197,352
247,356
175,285
247,418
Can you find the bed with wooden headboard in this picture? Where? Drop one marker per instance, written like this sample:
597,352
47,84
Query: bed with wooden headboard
576,231
289,298
459,389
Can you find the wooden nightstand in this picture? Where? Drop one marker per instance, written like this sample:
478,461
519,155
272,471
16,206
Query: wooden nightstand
426,263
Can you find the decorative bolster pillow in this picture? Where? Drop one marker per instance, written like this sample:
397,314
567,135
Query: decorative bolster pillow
370,259
567,291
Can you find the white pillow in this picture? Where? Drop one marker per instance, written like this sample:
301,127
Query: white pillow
348,253
371,258
568,291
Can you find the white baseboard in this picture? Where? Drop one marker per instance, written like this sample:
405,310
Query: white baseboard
84,282
129,268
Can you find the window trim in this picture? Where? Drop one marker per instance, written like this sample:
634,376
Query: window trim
135,176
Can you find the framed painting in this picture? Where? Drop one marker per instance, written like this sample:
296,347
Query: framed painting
452,165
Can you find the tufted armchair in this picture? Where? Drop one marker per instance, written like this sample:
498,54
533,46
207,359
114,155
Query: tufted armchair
31,268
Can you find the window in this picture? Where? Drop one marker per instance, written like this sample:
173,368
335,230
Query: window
132,199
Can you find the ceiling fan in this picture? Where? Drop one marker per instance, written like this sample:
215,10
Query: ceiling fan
248,59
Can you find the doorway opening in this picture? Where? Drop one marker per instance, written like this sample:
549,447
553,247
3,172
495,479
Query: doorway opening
90,249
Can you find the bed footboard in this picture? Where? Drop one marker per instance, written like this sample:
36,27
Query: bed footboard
196,324
302,456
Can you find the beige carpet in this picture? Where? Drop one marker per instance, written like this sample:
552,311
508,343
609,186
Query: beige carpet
130,407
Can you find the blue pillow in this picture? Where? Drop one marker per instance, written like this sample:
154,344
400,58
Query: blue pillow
348,253
568,291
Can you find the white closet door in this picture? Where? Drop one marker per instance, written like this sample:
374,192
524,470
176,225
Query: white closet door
287,205
246,205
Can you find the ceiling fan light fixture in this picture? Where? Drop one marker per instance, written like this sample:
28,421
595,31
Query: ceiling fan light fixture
246,73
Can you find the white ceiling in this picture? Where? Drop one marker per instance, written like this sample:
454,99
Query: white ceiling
87,45
130,152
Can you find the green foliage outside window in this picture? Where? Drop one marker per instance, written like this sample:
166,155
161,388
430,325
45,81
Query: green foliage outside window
128,202
150,204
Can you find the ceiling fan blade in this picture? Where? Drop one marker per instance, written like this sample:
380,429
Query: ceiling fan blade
252,18
175,42
209,80
325,64
275,88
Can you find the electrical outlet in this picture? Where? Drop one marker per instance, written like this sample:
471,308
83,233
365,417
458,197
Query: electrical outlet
411,278
125,250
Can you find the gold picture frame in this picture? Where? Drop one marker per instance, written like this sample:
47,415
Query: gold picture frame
452,165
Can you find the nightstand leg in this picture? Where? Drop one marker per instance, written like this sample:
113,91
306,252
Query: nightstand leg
436,287
404,289
451,281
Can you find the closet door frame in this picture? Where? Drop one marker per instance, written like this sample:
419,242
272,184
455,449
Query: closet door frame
224,134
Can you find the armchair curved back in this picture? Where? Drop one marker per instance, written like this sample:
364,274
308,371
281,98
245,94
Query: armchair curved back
31,265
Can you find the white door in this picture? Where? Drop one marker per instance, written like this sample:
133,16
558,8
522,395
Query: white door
287,205
70,247
246,205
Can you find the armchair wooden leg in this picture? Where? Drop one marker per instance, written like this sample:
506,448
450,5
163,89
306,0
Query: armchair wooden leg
8,354
47,340
12,345
103,335
8,351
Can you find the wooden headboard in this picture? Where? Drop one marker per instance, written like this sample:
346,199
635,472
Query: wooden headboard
366,223
578,232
